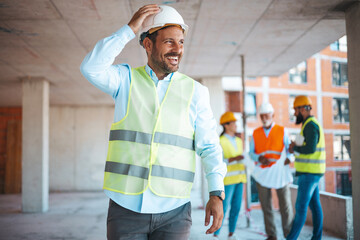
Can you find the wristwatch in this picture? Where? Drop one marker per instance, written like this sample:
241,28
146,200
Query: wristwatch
218,193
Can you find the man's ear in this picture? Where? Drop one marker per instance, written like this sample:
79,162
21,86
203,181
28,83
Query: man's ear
148,44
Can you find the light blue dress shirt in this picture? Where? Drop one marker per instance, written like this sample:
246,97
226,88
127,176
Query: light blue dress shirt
115,80
286,140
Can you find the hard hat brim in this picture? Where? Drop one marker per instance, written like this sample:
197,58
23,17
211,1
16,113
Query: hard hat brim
154,29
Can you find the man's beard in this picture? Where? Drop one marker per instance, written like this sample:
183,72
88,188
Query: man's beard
299,118
267,123
161,64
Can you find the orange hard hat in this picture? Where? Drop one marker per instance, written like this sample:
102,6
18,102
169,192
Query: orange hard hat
227,117
302,101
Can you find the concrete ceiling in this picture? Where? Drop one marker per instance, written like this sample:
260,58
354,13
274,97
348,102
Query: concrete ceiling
49,38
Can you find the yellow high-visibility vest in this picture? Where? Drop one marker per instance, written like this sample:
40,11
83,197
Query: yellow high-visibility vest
314,162
235,170
153,145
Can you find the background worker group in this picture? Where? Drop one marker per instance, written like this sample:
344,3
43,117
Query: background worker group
272,151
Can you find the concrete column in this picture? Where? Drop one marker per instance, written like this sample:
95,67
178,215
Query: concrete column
319,102
352,16
217,97
35,145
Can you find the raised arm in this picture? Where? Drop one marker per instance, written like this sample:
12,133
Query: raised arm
97,67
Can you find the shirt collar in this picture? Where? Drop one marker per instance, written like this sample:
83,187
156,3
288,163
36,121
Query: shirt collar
153,76
228,136
271,126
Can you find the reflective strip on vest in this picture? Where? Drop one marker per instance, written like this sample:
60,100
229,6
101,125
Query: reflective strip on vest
270,152
145,138
170,139
173,173
233,173
131,136
127,169
141,172
309,160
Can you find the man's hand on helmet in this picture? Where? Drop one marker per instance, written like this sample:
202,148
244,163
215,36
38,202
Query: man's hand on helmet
139,17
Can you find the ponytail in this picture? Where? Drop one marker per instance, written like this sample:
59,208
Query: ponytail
222,133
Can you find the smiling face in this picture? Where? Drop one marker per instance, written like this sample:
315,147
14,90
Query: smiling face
165,54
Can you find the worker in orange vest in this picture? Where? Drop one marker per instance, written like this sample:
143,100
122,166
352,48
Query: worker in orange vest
269,149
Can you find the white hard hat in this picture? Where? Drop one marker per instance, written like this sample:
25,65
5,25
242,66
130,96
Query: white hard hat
167,16
266,108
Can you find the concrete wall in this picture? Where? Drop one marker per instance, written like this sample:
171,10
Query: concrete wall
78,147
337,210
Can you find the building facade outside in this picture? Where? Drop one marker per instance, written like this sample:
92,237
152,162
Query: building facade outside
322,77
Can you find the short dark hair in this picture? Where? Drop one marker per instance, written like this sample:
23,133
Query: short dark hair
151,36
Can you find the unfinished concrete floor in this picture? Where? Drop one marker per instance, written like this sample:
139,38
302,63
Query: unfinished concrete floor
82,216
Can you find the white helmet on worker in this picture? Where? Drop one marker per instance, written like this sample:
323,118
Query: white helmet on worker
166,17
266,108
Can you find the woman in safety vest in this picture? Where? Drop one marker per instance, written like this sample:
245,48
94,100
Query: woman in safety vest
235,177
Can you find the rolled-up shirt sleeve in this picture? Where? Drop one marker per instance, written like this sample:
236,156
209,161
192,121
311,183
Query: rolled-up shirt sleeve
207,144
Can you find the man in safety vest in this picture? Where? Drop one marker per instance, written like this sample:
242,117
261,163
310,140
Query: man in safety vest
310,166
162,119
269,148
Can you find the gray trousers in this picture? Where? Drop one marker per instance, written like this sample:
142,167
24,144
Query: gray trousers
124,224
286,209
